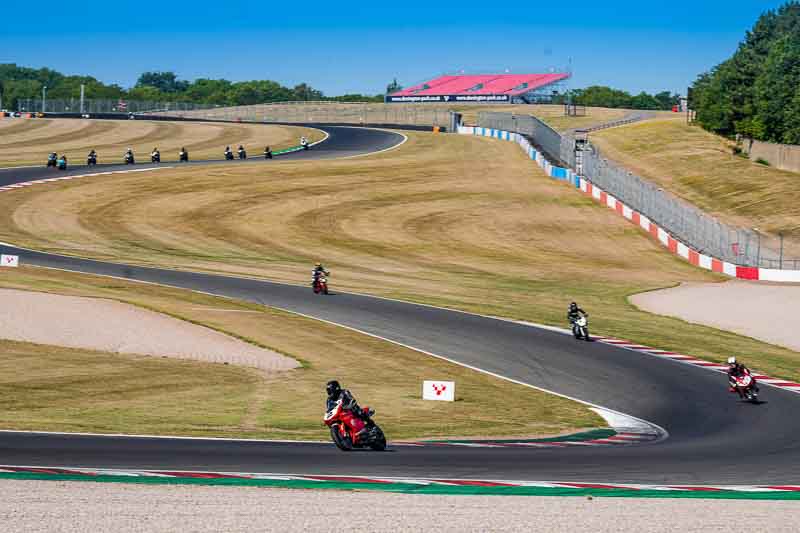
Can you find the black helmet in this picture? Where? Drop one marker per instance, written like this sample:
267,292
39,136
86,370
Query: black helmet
573,306
333,388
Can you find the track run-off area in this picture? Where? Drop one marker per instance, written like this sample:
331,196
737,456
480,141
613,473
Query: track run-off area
711,439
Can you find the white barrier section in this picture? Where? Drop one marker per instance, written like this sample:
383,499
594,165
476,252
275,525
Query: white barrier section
443,391
9,260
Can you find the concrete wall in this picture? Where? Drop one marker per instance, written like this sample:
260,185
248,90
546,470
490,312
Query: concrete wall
782,156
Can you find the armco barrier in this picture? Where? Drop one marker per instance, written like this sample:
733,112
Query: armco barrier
668,241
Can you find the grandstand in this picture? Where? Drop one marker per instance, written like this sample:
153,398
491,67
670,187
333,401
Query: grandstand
511,88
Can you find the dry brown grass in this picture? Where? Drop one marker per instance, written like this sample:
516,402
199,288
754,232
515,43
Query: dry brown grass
28,141
61,389
701,168
552,114
458,221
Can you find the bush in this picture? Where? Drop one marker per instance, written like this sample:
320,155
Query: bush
762,161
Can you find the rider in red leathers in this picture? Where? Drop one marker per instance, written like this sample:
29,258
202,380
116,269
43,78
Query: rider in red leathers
735,370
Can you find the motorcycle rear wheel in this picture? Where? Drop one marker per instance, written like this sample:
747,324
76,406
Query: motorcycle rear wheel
342,442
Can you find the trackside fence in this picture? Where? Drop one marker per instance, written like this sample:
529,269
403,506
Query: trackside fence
326,113
100,106
686,223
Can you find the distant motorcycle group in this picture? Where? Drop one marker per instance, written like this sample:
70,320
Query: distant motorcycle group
60,162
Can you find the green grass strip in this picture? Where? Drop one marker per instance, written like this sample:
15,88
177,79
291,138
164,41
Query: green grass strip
410,488
575,437
287,150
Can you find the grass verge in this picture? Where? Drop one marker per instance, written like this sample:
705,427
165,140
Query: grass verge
60,389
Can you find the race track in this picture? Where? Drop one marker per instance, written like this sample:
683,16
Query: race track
714,439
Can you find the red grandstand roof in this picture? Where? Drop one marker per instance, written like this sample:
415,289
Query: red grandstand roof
510,84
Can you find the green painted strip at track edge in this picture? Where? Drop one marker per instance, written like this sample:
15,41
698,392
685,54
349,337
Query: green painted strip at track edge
603,433
411,488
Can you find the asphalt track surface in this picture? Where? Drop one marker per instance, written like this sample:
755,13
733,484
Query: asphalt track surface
713,438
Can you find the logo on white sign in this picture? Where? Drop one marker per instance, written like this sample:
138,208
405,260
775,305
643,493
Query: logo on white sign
9,260
444,391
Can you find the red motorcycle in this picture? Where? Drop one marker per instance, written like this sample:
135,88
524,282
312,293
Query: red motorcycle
349,431
320,283
745,383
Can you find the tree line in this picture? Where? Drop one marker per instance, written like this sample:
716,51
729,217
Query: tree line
756,92
22,83
602,96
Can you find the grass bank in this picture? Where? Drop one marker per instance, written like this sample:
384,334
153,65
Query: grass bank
701,168
28,141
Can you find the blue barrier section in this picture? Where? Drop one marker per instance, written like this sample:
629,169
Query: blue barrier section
559,173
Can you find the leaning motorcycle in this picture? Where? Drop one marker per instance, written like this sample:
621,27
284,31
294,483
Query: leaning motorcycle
349,431
155,157
746,384
320,284
129,159
580,328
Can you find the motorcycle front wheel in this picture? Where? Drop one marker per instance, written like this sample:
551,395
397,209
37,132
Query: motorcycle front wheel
342,442
378,440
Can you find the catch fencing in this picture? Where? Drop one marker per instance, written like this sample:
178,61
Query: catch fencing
103,106
543,136
685,222
326,113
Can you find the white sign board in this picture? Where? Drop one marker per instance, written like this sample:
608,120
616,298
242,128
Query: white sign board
9,260
444,391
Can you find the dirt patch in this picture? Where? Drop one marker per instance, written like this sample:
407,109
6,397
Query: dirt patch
767,312
115,327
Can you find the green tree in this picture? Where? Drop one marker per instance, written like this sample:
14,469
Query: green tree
305,93
166,82
16,90
755,91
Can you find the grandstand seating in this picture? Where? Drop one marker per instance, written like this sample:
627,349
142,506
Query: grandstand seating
484,84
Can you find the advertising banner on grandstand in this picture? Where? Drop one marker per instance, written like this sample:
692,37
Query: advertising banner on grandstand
443,391
411,99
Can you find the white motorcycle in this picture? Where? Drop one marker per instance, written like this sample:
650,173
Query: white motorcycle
580,328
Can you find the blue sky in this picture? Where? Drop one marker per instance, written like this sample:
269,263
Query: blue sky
342,47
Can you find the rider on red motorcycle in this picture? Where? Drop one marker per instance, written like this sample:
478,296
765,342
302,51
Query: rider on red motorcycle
736,370
318,271
336,393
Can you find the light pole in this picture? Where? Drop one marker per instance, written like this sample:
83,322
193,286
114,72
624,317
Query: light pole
44,97
758,246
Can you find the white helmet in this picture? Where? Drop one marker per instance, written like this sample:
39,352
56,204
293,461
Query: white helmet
731,360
